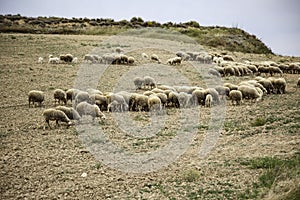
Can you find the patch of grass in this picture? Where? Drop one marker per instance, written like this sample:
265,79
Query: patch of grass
259,121
191,175
275,171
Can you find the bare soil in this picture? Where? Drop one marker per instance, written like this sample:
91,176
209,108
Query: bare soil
48,164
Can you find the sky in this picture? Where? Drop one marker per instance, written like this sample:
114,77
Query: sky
275,22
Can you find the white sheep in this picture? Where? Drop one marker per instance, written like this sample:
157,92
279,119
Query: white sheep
81,97
85,108
149,82
174,61
52,114
184,100
120,99
138,82
154,103
60,95
36,96
53,60
235,96
70,112
208,100
155,57
114,106
250,92
40,60
71,94
145,56
138,102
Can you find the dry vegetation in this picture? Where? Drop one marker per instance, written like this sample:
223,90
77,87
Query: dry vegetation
256,156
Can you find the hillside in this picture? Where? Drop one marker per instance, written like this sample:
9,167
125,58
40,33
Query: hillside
223,38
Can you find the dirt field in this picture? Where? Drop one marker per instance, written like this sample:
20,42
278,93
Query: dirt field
49,164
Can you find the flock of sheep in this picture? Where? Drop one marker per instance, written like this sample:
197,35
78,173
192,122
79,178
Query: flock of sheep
154,97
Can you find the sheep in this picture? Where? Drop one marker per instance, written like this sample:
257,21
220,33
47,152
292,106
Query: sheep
55,115
173,99
213,92
68,58
279,85
131,60
120,99
163,98
198,97
266,83
145,56
40,60
85,108
253,68
138,82
274,70
71,94
154,57
138,102
75,60
53,60
88,58
183,55
250,92
154,103
114,106
235,96
70,112
263,69
60,95
229,71
213,72
149,82
228,58
100,101
174,61
208,100
223,91
230,86
255,84
220,70
185,100
119,50
36,96
81,97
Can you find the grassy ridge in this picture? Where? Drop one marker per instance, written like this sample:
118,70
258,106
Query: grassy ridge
230,39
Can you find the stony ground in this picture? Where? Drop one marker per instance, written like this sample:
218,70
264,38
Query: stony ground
49,164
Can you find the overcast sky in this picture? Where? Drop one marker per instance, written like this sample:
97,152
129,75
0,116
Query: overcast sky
275,22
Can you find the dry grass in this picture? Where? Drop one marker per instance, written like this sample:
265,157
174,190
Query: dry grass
48,164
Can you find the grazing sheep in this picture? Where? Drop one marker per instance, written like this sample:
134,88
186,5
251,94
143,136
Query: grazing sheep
40,60
198,97
53,60
138,102
71,94
119,50
235,96
174,61
220,70
75,60
163,98
145,56
229,71
230,86
70,112
263,69
214,72
154,57
131,60
173,99
120,99
267,84
100,101
36,96
253,68
85,108
275,70
183,55
138,82
68,58
55,115
223,91
215,95
250,92
279,85
154,103
81,97
149,82
185,100
60,95
228,58
208,100
114,106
